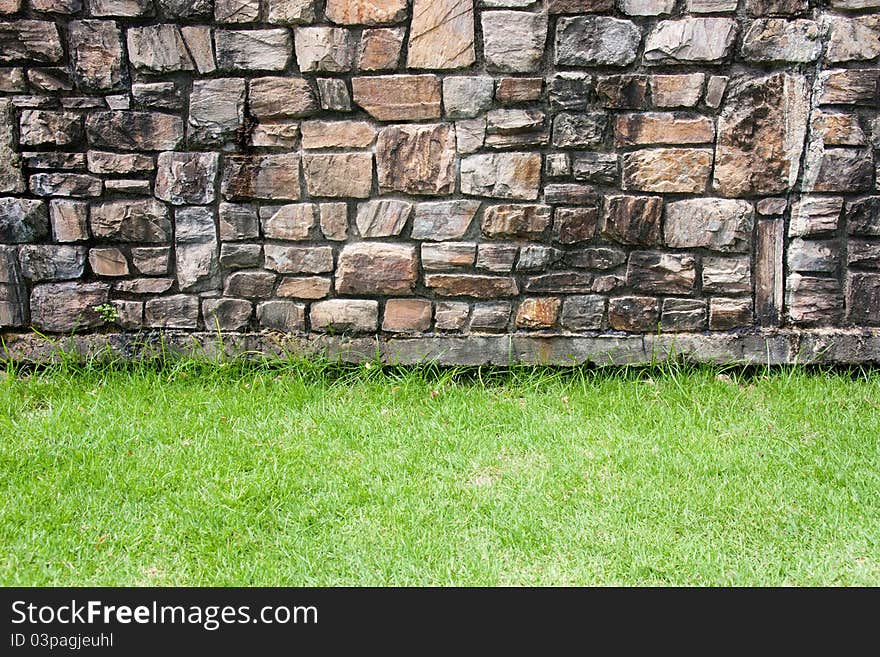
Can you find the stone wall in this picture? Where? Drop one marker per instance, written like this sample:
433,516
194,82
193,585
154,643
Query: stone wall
701,169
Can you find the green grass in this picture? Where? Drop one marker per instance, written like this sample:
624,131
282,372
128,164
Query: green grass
200,474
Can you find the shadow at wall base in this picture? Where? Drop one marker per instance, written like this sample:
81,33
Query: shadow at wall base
758,347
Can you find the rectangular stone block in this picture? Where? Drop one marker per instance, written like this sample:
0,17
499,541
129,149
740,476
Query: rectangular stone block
339,175
502,175
270,177
398,97
769,276
678,170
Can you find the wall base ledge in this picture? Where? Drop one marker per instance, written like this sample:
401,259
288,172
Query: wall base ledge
762,347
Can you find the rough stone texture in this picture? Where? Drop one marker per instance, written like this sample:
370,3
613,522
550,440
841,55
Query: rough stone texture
366,12
398,97
662,128
291,12
185,8
108,261
241,256
131,221
407,315
702,175
199,44
65,184
179,311
216,110
158,49
661,273
304,287
633,220
538,313
466,97
151,260
262,177
715,224
852,39
847,87
251,284
441,34
281,98
681,170
838,170
623,91
579,130
284,316
776,7
761,136
677,90
726,314
863,299
596,41
95,54
705,40
769,274
345,316
337,134
338,174
227,314
573,225
69,220
819,256
238,222
502,175
815,214
519,90
11,180
195,250
30,40
236,11
498,258
863,216
126,8
418,159
299,259
253,50
583,312
527,221
633,313
444,220
42,128
812,300
837,129
65,307
324,49
380,48
513,41
288,222
142,131
727,275
384,218
683,315
334,95
22,220
779,40
334,221
450,256
469,285
51,263
186,178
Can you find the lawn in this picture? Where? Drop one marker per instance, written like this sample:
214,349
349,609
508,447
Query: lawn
192,473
